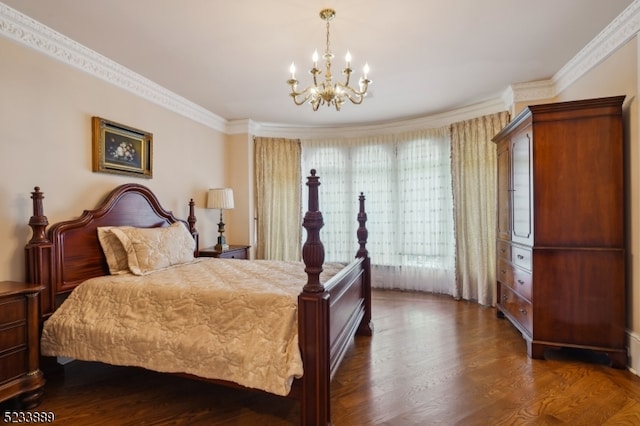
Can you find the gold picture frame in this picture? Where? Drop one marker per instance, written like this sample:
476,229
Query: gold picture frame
121,149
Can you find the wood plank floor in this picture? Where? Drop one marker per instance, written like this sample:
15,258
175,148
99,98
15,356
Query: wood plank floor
431,361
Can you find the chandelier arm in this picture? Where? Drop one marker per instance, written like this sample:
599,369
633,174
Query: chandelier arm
349,89
305,94
355,96
347,72
315,71
301,102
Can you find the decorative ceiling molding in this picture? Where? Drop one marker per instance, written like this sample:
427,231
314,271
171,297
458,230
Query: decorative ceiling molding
531,91
393,127
615,35
32,33
622,29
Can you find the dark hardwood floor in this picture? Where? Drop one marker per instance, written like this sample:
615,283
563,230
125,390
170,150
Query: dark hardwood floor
431,361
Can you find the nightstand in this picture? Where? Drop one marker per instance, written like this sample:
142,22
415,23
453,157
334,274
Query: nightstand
20,375
234,252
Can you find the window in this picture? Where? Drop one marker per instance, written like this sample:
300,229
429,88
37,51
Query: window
406,180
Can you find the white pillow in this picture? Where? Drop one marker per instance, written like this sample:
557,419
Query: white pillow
151,249
114,252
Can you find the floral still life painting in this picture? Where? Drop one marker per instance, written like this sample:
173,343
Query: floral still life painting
121,149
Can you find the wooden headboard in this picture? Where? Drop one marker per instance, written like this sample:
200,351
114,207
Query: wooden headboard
69,252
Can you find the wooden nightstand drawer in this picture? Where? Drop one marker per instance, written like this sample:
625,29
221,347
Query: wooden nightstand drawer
20,375
13,365
234,252
13,310
13,337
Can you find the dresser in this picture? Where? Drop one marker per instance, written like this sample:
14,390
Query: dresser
233,252
561,227
20,376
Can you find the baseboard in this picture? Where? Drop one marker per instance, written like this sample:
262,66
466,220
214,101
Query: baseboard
633,343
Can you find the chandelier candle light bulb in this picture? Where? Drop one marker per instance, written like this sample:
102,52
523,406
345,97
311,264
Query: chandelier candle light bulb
327,92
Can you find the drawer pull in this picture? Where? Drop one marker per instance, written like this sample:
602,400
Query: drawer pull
503,271
523,311
520,282
505,297
520,257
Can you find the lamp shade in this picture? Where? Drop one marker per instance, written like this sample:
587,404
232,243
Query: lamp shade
220,198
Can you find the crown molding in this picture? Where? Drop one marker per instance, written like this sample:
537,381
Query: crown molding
393,127
31,33
524,92
615,35
622,29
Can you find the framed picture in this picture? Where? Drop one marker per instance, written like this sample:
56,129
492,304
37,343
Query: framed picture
121,149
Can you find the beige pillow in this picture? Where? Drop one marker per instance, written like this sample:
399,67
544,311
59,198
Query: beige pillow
151,249
114,252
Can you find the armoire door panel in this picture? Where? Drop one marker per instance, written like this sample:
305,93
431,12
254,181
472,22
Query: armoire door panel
522,222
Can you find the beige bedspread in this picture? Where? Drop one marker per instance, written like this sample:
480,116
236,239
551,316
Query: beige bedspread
214,318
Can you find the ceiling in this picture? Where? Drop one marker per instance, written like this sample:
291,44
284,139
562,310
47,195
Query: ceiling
426,56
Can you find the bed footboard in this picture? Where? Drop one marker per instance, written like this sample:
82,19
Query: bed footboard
329,315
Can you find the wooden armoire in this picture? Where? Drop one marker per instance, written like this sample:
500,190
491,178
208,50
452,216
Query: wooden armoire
561,227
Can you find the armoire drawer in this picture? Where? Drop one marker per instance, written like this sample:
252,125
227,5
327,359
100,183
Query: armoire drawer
516,308
504,250
504,272
521,256
522,282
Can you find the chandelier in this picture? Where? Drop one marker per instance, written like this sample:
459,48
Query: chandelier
326,92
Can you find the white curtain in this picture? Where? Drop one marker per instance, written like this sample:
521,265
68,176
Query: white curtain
406,180
474,168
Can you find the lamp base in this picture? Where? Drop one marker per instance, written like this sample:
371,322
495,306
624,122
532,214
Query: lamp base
222,244
221,247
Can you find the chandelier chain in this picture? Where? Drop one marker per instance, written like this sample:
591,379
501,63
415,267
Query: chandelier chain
328,55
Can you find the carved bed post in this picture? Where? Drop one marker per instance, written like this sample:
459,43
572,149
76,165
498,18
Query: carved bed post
313,320
192,225
313,250
366,326
38,252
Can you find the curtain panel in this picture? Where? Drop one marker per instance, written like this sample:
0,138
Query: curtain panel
277,192
406,180
474,168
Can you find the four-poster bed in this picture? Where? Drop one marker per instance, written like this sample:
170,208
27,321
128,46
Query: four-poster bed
329,312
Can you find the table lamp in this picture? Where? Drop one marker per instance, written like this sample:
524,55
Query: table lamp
222,199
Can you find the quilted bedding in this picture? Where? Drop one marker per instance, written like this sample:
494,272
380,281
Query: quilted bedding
214,318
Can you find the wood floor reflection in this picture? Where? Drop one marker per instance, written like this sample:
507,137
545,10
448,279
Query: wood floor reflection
431,361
